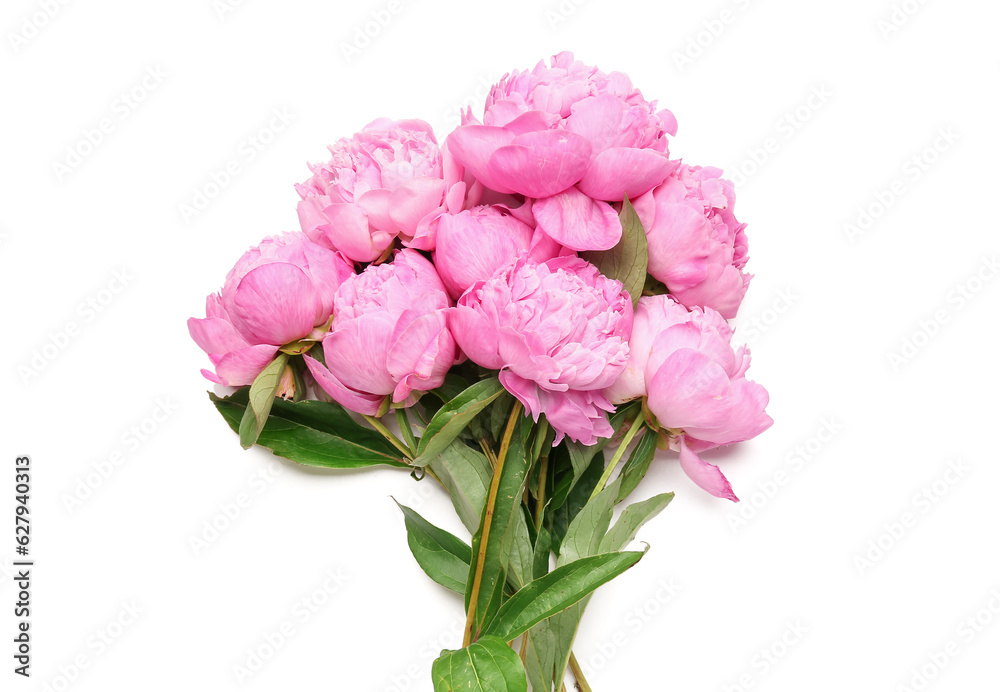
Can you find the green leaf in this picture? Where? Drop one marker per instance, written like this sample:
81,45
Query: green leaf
262,393
495,554
499,413
465,473
313,433
633,518
637,465
556,591
442,556
626,261
559,518
588,535
585,533
488,665
542,651
452,418
543,547
521,550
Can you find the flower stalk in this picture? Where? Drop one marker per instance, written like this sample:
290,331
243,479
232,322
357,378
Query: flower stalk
491,501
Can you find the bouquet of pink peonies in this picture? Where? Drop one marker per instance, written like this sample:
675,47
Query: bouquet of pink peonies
519,313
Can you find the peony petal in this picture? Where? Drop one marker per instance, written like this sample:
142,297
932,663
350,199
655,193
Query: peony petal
328,270
421,354
414,200
215,335
377,207
312,220
356,353
366,404
578,415
706,476
532,121
274,304
745,418
540,164
679,239
242,367
687,389
473,145
211,376
578,222
524,391
599,120
471,245
622,171
347,230
477,338
722,290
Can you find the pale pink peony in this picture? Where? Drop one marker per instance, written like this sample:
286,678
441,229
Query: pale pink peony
567,124
277,293
389,336
473,244
696,245
556,331
389,180
695,384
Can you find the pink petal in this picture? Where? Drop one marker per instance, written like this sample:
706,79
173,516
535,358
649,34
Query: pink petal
679,239
242,367
581,416
531,121
473,145
421,355
312,219
686,389
471,246
524,391
377,207
356,353
706,476
622,171
215,335
348,231
599,119
211,376
366,404
274,304
722,289
327,269
414,200
745,418
669,121
577,221
477,338
540,164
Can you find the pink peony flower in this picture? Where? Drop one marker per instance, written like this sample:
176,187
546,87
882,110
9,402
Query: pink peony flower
696,246
277,293
473,244
694,382
556,331
549,129
389,335
391,179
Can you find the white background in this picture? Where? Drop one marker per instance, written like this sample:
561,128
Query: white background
831,306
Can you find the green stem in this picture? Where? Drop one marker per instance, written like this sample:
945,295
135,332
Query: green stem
387,434
629,436
484,538
404,427
581,681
